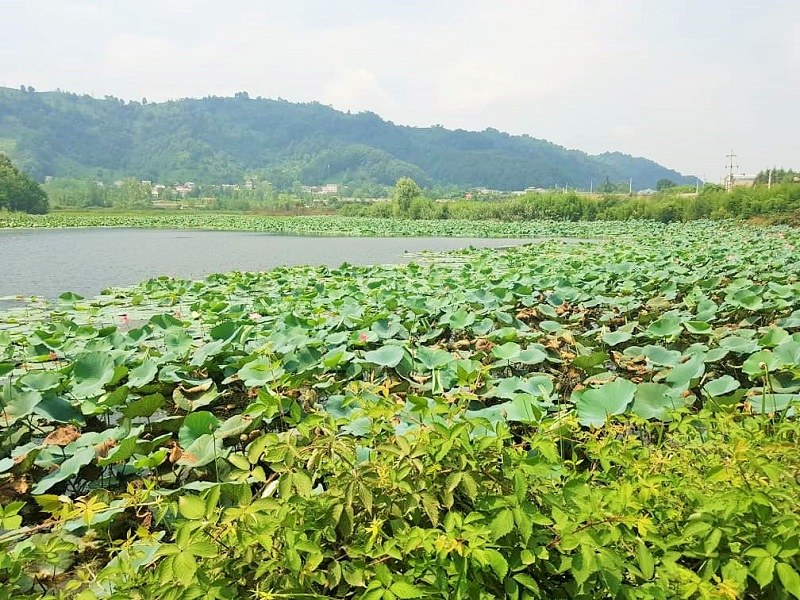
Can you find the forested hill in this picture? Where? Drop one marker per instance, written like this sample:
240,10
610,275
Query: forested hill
219,140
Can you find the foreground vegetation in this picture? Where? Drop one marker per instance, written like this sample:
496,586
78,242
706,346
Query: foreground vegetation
614,420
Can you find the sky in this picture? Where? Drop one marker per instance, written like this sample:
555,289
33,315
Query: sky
681,82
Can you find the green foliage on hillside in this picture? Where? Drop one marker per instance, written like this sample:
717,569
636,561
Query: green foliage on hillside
219,140
18,192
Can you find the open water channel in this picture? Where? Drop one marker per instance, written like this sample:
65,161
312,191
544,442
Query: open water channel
48,262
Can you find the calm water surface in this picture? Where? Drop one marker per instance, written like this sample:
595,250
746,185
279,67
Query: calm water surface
49,262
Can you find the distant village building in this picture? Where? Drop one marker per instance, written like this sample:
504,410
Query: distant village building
186,188
159,190
731,181
320,190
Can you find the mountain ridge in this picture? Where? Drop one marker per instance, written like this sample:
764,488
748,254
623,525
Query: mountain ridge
227,139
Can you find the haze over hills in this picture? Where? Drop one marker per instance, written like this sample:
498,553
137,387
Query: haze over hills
221,140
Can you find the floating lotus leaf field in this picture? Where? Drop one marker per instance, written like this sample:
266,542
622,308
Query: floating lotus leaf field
320,225
160,413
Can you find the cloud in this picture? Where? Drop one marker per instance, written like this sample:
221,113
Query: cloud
624,132
519,54
472,84
795,45
137,52
677,82
357,90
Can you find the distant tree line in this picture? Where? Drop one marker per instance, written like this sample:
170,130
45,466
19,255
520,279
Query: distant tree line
130,194
713,202
18,192
777,176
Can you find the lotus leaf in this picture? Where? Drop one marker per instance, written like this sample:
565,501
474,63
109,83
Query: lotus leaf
721,386
17,405
57,409
698,327
510,351
788,354
667,326
195,425
145,406
760,362
594,406
68,468
461,319
143,374
43,381
260,372
208,351
433,358
388,356
774,403
91,372
615,338
682,375
202,451
655,401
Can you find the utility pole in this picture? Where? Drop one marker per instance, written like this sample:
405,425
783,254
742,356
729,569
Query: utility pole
730,166
769,181
630,187
591,186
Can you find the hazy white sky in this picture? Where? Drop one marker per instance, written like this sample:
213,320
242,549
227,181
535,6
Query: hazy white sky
681,82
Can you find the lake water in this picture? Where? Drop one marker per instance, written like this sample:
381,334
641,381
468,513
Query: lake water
86,261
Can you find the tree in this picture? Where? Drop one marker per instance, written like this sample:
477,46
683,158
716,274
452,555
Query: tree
777,176
608,187
18,192
664,184
131,194
405,190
